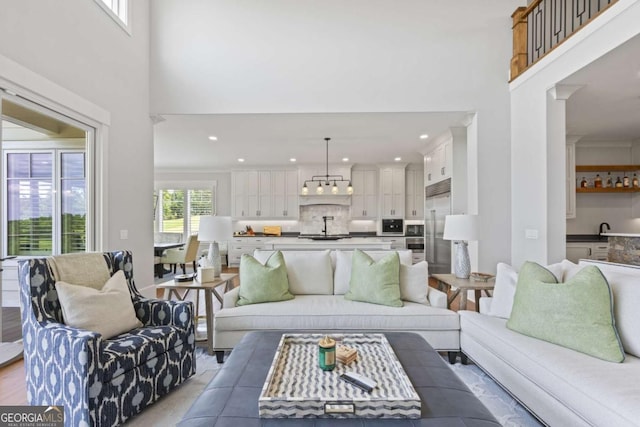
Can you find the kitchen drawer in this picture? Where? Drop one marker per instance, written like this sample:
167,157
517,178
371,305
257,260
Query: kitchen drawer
417,257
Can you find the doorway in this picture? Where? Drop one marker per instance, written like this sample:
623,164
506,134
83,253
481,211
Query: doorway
46,203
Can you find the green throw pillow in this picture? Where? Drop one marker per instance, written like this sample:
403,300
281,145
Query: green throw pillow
577,314
375,282
263,283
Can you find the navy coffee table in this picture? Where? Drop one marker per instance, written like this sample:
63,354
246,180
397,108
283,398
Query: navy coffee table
231,398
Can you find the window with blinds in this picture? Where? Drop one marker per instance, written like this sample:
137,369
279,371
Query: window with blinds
45,202
179,209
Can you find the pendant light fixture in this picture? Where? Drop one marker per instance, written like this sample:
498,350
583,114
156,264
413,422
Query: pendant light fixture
326,180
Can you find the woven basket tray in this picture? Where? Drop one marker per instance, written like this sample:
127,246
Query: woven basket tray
296,387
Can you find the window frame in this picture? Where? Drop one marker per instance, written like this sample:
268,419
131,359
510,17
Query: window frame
185,186
56,149
125,24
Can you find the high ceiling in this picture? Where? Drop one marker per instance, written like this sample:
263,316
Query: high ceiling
182,141
607,107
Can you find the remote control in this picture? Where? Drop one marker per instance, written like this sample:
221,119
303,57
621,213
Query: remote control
360,381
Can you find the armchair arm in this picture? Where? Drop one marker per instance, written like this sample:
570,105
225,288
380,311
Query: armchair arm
76,367
158,312
437,298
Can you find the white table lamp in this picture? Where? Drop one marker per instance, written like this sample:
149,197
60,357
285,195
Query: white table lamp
460,229
214,229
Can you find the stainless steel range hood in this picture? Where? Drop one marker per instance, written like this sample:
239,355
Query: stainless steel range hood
325,199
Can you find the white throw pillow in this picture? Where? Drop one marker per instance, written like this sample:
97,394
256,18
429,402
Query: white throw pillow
505,287
413,282
108,311
309,272
625,287
503,291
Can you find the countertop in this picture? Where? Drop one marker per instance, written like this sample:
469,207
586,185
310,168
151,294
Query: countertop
586,238
349,243
596,238
295,234
346,241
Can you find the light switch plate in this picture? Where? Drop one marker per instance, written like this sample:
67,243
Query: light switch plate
124,234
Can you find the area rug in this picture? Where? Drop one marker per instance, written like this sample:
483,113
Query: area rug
169,410
506,409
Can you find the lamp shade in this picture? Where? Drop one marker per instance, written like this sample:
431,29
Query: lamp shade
215,229
460,227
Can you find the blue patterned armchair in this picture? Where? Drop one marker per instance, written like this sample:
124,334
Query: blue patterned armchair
101,382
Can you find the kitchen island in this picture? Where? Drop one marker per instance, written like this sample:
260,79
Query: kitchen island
293,243
624,248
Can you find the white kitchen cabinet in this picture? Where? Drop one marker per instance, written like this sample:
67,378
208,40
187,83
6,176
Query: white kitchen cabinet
578,251
587,250
364,200
417,257
392,192
600,251
414,194
251,194
285,194
439,163
397,243
571,179
244,245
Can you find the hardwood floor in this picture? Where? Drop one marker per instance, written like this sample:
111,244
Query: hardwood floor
13,387
11,326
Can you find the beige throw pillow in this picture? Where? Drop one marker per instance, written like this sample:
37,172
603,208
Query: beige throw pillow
413,282
108,311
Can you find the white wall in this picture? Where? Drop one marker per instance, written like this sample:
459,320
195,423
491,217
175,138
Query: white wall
74,44
538,140
289,56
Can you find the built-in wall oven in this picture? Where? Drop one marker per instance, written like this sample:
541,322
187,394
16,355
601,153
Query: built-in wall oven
414,241
392,227
415,244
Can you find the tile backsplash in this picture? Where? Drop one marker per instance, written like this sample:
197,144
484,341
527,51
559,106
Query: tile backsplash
311,219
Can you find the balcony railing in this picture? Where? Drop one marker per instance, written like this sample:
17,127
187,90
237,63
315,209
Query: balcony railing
545,24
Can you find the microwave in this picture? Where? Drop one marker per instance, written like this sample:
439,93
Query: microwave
392,227
415,230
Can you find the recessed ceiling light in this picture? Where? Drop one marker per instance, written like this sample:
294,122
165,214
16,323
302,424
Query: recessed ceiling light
397,159
213,138
424,136
345,159
293,159
241,160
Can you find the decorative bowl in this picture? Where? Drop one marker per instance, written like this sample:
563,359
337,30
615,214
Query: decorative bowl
481,277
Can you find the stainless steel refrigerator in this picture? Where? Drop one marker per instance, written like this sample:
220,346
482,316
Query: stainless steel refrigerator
437,205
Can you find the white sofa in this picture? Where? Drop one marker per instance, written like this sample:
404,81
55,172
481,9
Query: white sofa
319,280
560,386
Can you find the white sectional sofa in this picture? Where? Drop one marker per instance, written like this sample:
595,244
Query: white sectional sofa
319,280
561,386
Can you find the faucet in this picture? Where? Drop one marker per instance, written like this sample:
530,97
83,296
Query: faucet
325,218
602,225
